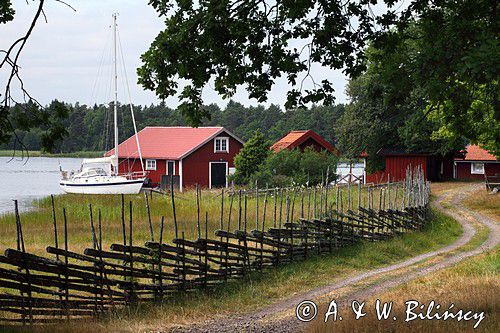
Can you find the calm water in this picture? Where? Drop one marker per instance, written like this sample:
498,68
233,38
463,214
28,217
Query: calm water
37,177
26,180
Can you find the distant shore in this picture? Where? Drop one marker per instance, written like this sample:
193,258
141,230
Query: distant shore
36,153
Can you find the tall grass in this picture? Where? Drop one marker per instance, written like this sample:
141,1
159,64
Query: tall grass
289,205
485,202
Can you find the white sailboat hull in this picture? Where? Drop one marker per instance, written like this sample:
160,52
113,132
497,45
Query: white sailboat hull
100,175
105,185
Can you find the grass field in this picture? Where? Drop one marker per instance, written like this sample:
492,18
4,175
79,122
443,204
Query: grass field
485,202
37,153
38,223
472,285
259,289
253,291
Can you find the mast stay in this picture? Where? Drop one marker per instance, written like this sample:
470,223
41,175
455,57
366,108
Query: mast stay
116,43
115,104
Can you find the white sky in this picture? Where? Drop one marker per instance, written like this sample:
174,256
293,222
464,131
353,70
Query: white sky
61,59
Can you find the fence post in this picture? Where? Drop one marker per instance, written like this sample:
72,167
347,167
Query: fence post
66,275
149,217
262,231
56,245
160,267
94,246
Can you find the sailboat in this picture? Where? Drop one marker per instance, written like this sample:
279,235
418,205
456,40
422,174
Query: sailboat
101,175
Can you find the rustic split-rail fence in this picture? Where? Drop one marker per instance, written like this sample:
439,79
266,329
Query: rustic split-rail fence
65,285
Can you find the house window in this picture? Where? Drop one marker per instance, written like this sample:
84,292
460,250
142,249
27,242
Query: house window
170,167
221,145
150,164
477,168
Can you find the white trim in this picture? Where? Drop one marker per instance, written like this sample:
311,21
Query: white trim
166,166
364,170
454,170
180,175
210,172
226,138
234,136
472,172
222,129
150,168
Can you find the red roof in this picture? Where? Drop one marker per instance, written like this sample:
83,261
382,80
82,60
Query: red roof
170,143
476,153
295,138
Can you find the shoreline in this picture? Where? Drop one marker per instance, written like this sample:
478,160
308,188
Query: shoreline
37,153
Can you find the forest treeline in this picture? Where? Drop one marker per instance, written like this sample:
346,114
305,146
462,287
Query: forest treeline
90,128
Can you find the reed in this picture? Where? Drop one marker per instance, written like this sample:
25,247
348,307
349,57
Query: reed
38,223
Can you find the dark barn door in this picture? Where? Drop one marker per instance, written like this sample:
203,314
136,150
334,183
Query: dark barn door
218,175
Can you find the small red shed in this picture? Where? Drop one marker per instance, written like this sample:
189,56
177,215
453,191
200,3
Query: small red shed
397,161
475,164
203,155
302,140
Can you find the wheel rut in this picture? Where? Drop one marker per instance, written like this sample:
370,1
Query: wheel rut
279,317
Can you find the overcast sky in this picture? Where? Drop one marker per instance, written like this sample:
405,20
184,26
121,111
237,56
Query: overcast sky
62,58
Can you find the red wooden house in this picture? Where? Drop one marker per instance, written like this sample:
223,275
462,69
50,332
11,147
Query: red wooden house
301,140
203,155
435,168
475,164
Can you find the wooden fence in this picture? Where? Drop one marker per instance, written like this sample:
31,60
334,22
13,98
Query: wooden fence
64,284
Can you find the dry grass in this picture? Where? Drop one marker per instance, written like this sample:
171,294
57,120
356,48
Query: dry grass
472,285
260,289
443,187
485,202
38,226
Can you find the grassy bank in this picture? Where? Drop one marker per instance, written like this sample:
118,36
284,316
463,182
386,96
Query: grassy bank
260,289
37,153
37,224
484,202
472,285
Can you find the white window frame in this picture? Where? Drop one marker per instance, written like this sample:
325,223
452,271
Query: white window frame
474,172
221,138
149,167
166,166
210,172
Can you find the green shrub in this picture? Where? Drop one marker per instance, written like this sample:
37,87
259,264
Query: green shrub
251,156
287,166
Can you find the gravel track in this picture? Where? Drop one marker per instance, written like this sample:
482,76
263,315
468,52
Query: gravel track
259,321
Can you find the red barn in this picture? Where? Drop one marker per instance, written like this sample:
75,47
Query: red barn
436,168
476,164
302,140
203,155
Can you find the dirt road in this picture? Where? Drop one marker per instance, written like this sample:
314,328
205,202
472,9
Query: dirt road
280,317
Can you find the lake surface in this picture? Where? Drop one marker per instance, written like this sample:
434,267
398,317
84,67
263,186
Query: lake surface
38,177
29,179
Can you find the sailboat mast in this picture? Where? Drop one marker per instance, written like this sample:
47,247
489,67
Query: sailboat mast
115,104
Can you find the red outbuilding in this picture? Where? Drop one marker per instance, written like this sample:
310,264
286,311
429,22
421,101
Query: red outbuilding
397,161
203,155
476,164
303,139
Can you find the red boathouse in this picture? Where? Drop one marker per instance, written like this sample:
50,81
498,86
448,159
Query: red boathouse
435,168
203,155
